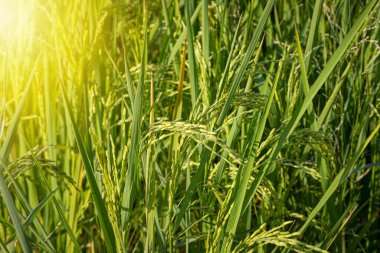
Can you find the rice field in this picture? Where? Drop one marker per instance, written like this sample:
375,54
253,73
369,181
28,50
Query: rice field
190,126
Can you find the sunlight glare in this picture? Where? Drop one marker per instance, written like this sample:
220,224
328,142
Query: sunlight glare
7,15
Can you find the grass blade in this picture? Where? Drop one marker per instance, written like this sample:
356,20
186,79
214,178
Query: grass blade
4,156
182,37
199,175
313,31
302,107
37,209
194,88
241,186
133,155
337,181
105,224
205,32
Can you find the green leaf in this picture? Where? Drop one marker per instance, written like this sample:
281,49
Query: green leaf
4,156
302,107
130,185
105,224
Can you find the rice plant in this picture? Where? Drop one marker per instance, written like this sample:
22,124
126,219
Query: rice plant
189,126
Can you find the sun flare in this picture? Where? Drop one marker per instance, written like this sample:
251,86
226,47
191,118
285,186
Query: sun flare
8,15
15,19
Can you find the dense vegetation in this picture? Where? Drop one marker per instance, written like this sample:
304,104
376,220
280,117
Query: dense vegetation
190,126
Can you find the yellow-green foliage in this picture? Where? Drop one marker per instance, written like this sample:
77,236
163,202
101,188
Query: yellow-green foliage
189,126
